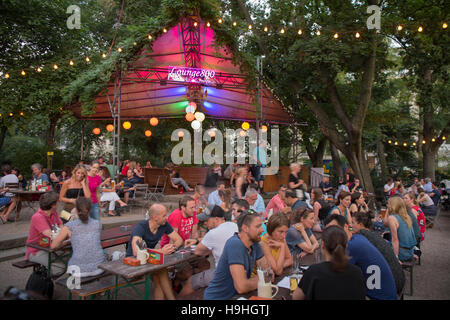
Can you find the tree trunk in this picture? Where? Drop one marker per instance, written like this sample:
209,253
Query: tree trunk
337,163
3,130
382,159
429,159
51,133
316,156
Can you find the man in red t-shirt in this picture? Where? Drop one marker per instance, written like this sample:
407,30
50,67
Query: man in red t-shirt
184,221
42,223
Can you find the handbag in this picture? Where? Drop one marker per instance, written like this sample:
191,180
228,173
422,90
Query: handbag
40,283
65,212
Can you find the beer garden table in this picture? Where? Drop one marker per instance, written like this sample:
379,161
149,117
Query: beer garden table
130,273
109,238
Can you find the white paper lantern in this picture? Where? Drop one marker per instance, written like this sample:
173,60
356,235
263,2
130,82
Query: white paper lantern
190,109
200,116
196,124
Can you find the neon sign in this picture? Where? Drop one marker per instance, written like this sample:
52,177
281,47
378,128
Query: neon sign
193,75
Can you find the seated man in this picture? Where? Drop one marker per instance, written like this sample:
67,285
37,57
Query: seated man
7,198
238,207
214,198
357,187
239,256
326,185
292,201
43,222
129,183
277,203
255,201
213,242
380,282
435,195
40,178
151,232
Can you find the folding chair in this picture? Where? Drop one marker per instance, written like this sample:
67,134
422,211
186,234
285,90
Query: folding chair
141,190
157,190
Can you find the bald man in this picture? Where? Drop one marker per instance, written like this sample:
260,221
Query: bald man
151,232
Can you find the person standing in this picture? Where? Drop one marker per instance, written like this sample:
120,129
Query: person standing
260,157
240,254
73,188
94,182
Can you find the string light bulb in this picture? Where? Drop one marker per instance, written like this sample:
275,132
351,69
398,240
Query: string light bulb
336,36
443,138
423,141
11,114
444,25
389,141
119,49
282,31
55,66
396,143
208,24
249,27
7,75
414,144
38,69
400,28
405,144
433,140
71,62
134,43
357,35
266,29
318,32
220,20
234,23
420,29
300,31
103,55
87,59
23,73
165,30
195,24
149,37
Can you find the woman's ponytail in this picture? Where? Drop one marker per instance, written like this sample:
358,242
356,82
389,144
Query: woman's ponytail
335,241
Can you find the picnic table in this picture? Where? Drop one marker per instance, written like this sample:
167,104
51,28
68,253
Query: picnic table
284,293
26,196
131,273
109,238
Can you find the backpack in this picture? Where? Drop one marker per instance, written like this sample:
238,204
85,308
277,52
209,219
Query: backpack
39,282
326,208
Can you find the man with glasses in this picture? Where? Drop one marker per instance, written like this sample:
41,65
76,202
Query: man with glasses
240,254
255,201
238,207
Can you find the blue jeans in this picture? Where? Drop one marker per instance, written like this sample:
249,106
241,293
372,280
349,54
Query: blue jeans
95,212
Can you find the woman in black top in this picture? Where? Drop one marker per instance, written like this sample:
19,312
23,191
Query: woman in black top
296,182
358,203
334,279
362,223
75,187
321,208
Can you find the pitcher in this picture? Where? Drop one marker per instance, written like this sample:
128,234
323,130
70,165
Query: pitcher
142,256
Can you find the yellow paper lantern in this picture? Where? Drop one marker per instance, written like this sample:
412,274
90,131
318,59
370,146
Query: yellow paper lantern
200,116
190,116
109,128
154,121
444,25
245,126
148,133
126,125
96,131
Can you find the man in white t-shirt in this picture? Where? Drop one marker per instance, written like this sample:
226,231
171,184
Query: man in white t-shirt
388,186
213,242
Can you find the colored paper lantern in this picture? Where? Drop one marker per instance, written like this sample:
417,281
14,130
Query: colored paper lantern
96,131
264,128
200,116
148,133
126,125
154,121
190,116
196,124
246,125
190,109
109,128
180,134
212,133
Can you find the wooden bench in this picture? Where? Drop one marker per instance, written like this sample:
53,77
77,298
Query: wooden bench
409,266
92,286
26,264
192,175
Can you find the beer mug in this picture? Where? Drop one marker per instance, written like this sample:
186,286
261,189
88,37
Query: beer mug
113,184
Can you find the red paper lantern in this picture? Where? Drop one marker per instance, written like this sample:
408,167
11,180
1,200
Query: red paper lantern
154,121
148,133
190,116
109,128
96,131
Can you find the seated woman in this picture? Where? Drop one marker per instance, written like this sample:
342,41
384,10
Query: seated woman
274,245
362,224
175,178
75,187
411,205
300,238
341,207
108,193
137,171
226,197
336,278
426,203
321,208
358,203
84,234
402,231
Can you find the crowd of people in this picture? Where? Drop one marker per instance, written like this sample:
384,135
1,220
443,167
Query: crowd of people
241,233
